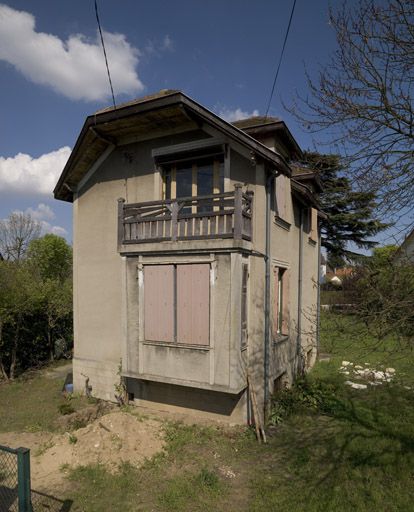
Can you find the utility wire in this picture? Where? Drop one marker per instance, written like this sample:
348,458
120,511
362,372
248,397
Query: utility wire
281,57
104,52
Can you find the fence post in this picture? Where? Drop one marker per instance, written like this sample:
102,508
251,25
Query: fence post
23,480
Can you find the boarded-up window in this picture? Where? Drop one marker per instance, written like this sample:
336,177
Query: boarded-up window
159,302
281,306
177,303
282,191
193,304
245,275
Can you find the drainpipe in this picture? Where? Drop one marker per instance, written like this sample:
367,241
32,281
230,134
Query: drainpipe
318,297
300,277
267,294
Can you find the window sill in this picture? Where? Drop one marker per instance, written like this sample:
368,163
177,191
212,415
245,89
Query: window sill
280,338
312,241
282,223
203,348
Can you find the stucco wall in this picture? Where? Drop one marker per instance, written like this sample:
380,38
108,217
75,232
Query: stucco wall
107,295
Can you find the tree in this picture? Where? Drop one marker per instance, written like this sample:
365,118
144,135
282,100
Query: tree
52,257
17,299
16,233
362,100
385,295
350,213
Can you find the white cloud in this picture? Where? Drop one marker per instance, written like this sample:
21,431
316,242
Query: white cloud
42,212
27,175
157,47
75,67
236,114
167,43
56,230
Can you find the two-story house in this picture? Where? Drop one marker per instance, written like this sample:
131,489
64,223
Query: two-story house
196,256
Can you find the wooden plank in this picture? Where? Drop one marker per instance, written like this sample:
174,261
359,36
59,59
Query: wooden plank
220,225
238,205
159,302
167,228
133,231
121,203
205,226
229,223
193,304
213,225
189,227
181,227
197,224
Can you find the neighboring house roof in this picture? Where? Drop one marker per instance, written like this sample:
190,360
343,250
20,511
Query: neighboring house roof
306,175
406,249
260,126
167,108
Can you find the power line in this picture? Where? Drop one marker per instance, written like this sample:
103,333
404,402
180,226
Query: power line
104,52
281,57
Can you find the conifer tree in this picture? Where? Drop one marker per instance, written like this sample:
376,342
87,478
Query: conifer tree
351,213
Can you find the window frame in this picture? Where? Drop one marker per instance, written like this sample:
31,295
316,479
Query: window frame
281,303
169,174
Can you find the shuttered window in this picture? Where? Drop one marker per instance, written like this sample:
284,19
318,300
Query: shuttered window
245,276
177,303
281,306
159,302
193,304
313,224
282,193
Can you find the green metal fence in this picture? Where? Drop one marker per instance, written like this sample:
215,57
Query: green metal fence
15,479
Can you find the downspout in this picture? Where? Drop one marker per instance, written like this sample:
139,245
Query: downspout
318,297
300,277
267,294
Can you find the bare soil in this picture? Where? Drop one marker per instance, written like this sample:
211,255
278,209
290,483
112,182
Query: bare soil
110,440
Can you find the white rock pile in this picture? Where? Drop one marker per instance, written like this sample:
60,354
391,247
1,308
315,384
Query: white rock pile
371,376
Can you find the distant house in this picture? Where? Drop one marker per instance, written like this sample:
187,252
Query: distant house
405,252
196,253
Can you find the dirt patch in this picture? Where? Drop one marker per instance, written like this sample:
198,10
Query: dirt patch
84,416
110,440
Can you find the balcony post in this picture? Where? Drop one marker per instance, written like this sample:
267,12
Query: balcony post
174,221
121,202
238,209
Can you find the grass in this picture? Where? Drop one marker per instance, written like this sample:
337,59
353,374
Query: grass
336,448
34,403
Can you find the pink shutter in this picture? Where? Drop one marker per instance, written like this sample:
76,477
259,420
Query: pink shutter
275,301
281,196
159,302
193,304
286,302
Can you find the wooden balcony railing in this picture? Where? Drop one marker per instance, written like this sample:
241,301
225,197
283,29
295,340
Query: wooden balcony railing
227,215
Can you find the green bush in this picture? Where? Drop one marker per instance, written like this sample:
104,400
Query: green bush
314,395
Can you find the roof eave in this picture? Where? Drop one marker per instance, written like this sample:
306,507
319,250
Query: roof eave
271,157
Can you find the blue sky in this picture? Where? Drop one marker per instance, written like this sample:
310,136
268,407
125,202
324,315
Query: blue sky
222,54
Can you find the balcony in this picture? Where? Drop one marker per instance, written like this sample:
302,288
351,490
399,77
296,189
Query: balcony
216,216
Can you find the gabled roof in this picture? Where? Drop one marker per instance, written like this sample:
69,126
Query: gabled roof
161,111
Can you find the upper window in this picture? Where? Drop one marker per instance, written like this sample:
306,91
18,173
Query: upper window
202,177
